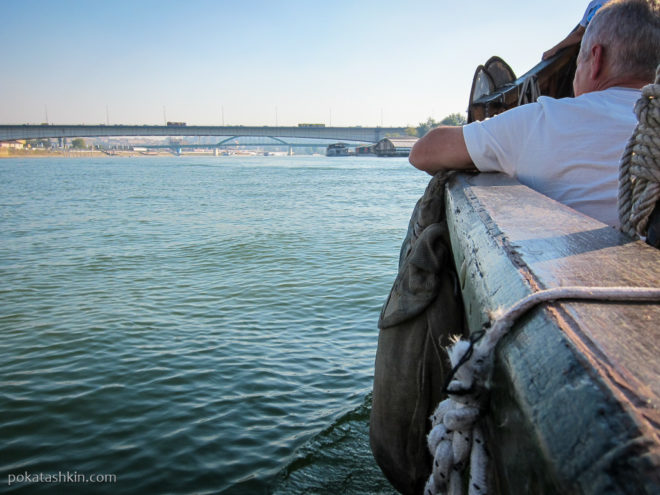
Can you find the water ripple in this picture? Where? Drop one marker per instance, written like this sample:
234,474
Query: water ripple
192,325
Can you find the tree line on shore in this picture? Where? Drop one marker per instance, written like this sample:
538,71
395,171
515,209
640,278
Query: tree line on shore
453,119
77,143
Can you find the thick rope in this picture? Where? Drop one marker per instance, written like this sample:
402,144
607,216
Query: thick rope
639,171
456,437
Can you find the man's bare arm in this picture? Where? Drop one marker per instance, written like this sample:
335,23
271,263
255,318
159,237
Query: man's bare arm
442,148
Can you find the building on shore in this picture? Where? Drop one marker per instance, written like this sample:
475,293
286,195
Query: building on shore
395,146
17,145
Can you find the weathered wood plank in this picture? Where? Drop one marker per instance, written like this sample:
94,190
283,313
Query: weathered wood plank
577,384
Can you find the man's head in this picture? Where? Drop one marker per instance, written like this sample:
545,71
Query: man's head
621,47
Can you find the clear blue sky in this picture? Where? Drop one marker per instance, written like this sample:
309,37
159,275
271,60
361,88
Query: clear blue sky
340,62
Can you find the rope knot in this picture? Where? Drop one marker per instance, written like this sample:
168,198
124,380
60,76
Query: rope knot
456,438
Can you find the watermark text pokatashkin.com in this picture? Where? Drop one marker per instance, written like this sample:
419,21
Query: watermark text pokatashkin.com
59,477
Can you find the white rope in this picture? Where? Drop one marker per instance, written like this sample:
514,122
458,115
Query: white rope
639,172
456,436
529,92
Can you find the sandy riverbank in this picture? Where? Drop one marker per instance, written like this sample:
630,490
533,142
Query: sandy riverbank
36,153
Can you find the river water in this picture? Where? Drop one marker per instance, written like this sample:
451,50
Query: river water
194,325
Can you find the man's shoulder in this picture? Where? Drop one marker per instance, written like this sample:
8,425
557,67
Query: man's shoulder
616,97
615,92
597,106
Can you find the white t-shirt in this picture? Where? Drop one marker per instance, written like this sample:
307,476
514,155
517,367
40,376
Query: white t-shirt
568,149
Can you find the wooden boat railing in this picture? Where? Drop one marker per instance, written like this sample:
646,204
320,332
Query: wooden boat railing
553,77
575,403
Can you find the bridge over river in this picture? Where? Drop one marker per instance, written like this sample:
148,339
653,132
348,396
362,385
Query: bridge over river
357,134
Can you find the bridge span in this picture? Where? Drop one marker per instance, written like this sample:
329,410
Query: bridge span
358,134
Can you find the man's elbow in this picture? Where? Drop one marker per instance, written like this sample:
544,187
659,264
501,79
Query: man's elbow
419,159
423,157
442,148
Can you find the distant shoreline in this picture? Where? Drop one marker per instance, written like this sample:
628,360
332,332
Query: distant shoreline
13,153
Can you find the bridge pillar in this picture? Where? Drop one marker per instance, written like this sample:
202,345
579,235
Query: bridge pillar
290,150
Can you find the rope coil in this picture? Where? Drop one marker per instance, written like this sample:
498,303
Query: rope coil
456,438
639,171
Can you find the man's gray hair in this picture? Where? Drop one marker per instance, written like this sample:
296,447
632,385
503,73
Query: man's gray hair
629,31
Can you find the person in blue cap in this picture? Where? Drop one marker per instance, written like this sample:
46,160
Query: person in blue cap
575,36
569,148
